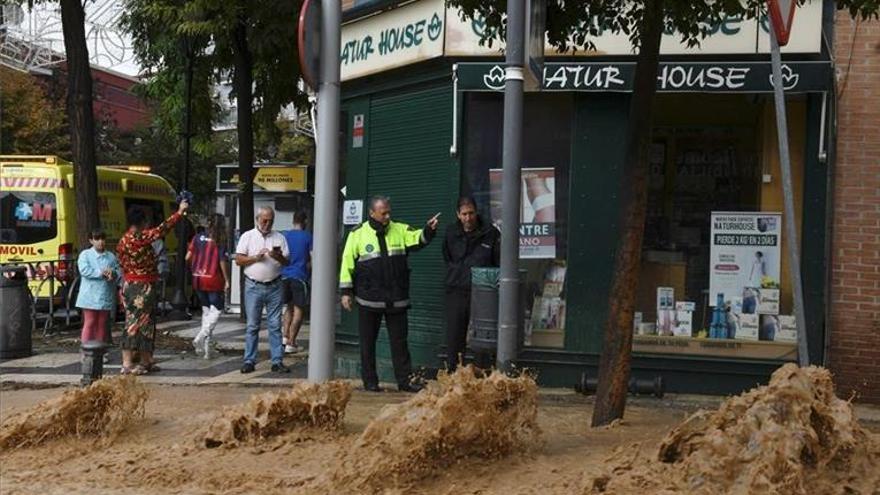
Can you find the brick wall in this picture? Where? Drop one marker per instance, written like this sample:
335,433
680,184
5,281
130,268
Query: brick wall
854,356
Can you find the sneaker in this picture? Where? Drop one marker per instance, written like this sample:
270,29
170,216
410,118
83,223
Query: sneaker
248,368
373,387
291,349
198,343
283,340
280,368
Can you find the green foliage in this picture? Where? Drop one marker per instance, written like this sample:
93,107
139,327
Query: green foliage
31,121
291,146
161,44
297,148
161,29
572,24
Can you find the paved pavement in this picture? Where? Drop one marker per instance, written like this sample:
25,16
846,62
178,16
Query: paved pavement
179,363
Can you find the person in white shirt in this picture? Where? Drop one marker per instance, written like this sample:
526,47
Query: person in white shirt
263,252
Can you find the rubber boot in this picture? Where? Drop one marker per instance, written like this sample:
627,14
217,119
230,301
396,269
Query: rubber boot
199,341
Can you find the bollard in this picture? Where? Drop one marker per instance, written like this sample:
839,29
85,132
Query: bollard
92,361
647,387
656,387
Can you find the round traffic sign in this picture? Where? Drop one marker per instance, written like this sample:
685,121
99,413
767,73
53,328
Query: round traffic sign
309,42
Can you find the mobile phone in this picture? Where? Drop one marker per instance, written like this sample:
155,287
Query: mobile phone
276,248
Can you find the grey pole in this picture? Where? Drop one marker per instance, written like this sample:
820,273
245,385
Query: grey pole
509,311
324,274
789,219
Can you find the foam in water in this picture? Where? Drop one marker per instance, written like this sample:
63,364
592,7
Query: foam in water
307,405
459,416
103,409
792,436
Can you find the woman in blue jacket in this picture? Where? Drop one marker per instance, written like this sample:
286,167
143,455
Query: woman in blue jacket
99,271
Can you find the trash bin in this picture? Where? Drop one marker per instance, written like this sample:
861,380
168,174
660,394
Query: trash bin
15,306
484,309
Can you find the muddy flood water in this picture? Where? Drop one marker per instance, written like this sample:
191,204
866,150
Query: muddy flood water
463,434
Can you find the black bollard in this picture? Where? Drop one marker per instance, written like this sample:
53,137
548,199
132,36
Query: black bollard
587,386
93,361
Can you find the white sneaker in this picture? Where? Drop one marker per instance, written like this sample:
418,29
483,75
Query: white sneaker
291,349
284,341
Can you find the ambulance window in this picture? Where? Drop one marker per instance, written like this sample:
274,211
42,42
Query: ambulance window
27,217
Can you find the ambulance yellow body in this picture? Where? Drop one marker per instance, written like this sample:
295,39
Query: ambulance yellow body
38,212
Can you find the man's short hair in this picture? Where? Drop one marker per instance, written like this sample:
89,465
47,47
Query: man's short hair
379,199
266,209
300,217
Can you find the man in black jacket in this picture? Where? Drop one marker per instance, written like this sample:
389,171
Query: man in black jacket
469,243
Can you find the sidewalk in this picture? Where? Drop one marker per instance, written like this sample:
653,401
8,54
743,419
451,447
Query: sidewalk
60,365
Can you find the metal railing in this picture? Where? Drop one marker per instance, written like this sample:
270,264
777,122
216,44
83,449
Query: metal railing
46,273
64,289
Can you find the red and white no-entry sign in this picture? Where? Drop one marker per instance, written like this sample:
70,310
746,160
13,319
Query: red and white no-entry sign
781,17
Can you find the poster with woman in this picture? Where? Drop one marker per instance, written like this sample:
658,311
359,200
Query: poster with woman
744,255
537,233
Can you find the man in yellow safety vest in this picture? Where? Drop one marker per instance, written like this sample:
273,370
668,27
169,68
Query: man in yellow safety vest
375,273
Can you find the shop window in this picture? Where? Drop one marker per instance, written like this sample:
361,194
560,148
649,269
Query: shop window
712,279
544,206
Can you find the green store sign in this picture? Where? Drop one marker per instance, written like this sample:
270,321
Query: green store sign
402,36
672,77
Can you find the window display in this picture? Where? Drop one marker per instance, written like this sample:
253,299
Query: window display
712,269
544,203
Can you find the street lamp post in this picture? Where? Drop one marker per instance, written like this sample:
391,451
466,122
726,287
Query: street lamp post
179,302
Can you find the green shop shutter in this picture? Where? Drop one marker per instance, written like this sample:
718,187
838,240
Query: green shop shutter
410,136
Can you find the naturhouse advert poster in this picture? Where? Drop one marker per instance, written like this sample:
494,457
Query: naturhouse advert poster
537,232
745,253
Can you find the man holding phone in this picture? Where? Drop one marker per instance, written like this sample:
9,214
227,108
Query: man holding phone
375,274
263,252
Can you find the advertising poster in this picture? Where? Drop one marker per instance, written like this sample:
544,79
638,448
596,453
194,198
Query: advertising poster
537,233
745,256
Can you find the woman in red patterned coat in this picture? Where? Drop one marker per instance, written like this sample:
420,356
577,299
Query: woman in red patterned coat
140,274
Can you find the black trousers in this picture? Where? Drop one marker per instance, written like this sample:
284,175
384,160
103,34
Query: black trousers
369,322
458,314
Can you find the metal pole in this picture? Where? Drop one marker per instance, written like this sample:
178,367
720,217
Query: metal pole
324,275
789,220
178,301
509,311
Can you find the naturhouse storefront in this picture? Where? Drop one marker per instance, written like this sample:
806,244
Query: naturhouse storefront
422,107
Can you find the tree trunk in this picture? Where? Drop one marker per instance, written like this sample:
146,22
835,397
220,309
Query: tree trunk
614,363
243,81
82,119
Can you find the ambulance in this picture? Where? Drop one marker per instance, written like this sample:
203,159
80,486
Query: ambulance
38,213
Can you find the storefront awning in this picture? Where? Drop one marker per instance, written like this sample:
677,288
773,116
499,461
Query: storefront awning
672,77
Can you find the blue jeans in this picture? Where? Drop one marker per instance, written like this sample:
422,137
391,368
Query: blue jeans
257,296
